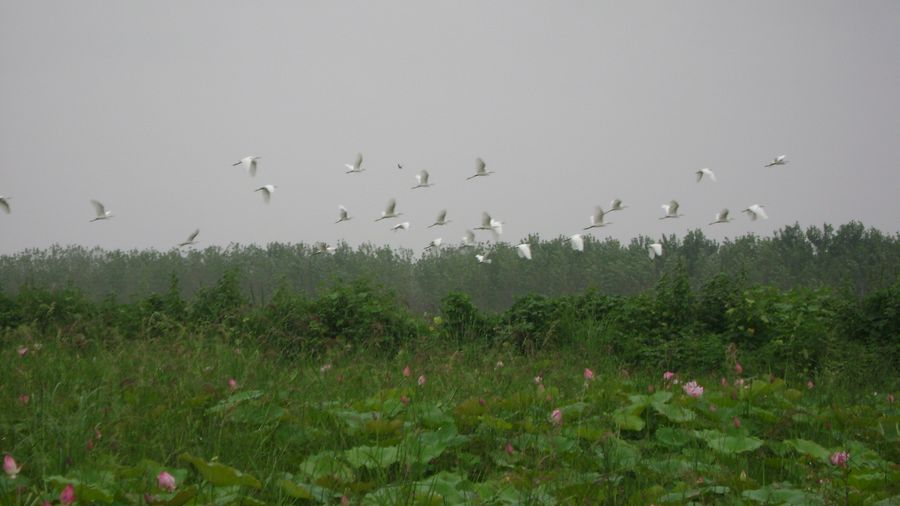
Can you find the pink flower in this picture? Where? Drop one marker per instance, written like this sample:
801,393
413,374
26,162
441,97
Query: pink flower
509,449
405,400
10,467
421,380
737,422
67,496
345,501
810,385
588,374
738,368
407,372
668,375
90,444
890,398
839,459
23,399
166,481
693,389
232,384
723,382
325,368
739,382
22,351
557,417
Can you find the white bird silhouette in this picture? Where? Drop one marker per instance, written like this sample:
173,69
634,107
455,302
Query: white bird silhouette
401,226
654,250
102,213
436,244
524,250
441,219
597,219
671,210
322,248
468,239
483,259
267,191
422,180
4,203
249,163
616,205
722,217
191,239
577,242
343,215
357,166
480,169
779,160
756,211
705,172
389,211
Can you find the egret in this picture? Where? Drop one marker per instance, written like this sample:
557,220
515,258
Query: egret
616,205
722,217
577,242
654,250
671,210
705,172
485,222
249,162
468,239
436,244
779,160
480,169
321,248
597,219
524,250
343,215
422,180
191,239
756,211
102,213
267,191
357,166
389,211
4,203
483,259
441,219
401,226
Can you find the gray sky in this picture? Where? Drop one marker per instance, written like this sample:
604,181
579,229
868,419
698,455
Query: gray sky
145,106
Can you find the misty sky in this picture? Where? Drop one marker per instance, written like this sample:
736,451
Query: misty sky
145,106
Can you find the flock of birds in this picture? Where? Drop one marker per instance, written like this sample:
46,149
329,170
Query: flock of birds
488,223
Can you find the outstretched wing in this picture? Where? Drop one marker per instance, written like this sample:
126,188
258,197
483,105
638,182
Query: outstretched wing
98,207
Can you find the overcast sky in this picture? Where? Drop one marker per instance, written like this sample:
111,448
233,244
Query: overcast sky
145,106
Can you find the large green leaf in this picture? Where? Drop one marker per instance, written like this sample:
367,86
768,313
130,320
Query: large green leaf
734,444
781,494
809,448
220,475
372,457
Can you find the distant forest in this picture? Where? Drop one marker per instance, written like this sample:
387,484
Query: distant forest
850,258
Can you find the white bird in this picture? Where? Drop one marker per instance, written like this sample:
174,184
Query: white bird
654,250
191,239
496,229
671,210
524,250
389,211
422,180
597,219
436,244
756,211
722,217
343,215
480,169
102,213
401,226
705,172
322,248
267,191
577,242
779,160
249,163
441,219
485,222
468,239
616,205
483,259
357,166
4,203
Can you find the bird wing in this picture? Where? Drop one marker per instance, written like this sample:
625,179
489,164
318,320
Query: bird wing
723,215
424,175
101,211
699,175
442,216
358,163
757,209
469,238
251,167
710,173
391,205
5,205
485,220
342,211
480,166
615,204
193,235
673,207
577,242
524,251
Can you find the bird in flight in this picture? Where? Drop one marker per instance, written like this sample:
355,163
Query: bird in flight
401,226
422,180
389,211
654,250
249,163
441,219
480,169
705,172
357,166
102,213
323,248
343,215
577,242
435,244
756,211
468,239
191,239
597,219
779,160
524,250
671,210
267,191
4,203
483,259
616,205
722,217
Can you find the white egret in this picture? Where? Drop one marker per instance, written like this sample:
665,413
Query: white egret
321,248
343,215
422,180
779,160
102,213
480,169
722,217
654,250
441,219
485,222
468,239
249,163
597,219
401,226
267,191
389,211
4,203
756,211
705,172
671,210
524,250
436,244
483,259
191,239
357,166
616,205
577,242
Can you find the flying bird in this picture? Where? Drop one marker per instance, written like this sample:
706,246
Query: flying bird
489,223
422,180
441,219
483,259
468,239
389,211
756,211
102,213
480,169
249,163
4,203
191,239
524,250
267,191
722,217
654,250
705,172
401,226
399,166
597,219
671,210
343,215
779,160
357,166
577,242
321,248
616,205
436,244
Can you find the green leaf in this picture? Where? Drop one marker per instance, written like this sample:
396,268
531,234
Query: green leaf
629,417
181,497
372,457
220,475
809,448
675,413
734,444
671,436
772,494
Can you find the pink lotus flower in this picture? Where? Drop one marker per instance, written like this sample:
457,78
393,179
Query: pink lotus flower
23,399
810,385
588,374
407,372
839,459
10,467
67,496
232,384
693,389
166,481
509,449
668,375
421,380
737,422
738,368
22,351
557,417
405,400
